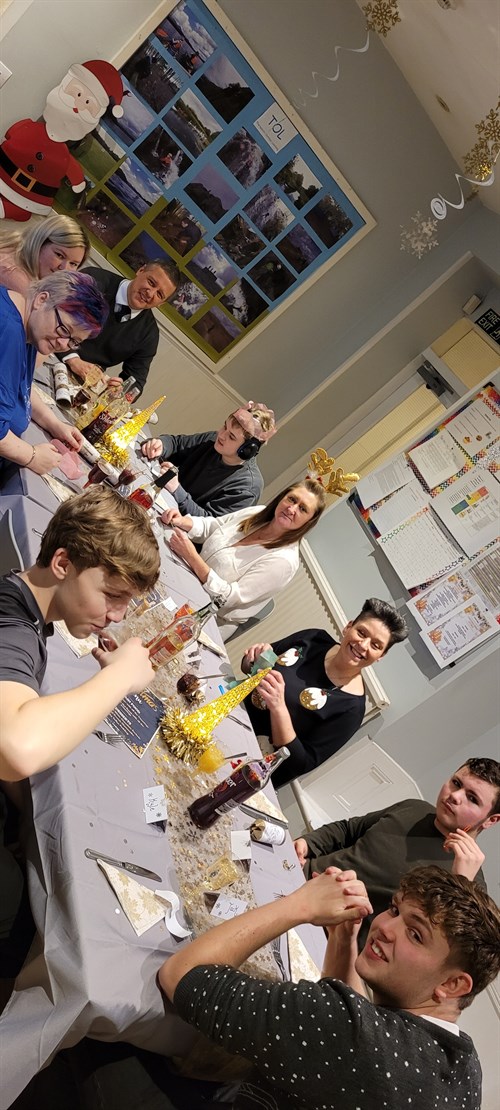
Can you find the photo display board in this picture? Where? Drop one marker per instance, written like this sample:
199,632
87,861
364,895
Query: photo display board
205,166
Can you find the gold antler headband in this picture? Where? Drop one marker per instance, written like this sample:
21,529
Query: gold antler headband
321,465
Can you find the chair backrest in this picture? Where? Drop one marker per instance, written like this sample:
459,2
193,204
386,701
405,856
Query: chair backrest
10,555
265,612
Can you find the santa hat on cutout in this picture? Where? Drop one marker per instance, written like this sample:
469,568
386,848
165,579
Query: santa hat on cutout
104,82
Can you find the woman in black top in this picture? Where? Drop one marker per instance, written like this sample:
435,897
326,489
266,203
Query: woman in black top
314,700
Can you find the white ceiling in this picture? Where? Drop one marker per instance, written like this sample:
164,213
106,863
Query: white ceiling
453,54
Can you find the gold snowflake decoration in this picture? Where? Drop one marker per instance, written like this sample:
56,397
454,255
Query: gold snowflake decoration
419,237
488,128
480,159
382,16
478,162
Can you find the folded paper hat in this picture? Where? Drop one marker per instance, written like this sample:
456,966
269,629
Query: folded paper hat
257,420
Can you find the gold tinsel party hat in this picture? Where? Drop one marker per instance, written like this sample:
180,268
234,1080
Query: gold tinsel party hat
113,445
321,465
188,735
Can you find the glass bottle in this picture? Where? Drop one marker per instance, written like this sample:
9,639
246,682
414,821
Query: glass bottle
248,779
145,495
178,635
111,396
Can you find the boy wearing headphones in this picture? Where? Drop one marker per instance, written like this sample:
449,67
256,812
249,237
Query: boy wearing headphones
218,472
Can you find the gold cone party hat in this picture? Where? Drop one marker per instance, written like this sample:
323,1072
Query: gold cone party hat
113,445
187,735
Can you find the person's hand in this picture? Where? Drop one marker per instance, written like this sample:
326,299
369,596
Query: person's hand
302,850
468,855
334,897
68,435
115,383
251,654
176,519
46,457
133,660
272,691
152,448
80,368
182,546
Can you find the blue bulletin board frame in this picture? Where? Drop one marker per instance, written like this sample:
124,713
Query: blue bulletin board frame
211,166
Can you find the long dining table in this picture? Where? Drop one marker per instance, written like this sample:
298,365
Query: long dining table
87,972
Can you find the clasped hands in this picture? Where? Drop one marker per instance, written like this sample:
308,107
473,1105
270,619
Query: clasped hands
336,897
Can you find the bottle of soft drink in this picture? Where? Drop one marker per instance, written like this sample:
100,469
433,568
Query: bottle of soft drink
245,781
178,635
145,495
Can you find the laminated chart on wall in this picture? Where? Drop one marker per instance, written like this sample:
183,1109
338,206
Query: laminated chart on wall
465,628
470,510
419,550
478,577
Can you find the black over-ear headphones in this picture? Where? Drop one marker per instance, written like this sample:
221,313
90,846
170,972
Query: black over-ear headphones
249,449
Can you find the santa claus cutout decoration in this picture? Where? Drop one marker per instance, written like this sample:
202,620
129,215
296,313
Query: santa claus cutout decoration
34,158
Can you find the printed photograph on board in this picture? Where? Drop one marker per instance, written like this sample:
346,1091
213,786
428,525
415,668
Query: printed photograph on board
211,268
329,221
272,276
142,249
163,157
135,121
188,298
240,241
224,87
212,193
244,303
136,189
298,181
186,38
192,123
178,227
244,158
99,153
298,248
217,329
104,219
269,212
153,78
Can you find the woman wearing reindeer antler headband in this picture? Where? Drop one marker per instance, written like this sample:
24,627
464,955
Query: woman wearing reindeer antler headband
249,556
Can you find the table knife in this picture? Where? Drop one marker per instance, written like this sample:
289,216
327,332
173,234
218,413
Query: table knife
133,867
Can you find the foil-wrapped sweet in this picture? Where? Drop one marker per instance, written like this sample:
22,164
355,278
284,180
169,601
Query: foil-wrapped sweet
190,687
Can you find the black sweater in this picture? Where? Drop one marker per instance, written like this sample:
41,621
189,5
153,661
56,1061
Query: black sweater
208,486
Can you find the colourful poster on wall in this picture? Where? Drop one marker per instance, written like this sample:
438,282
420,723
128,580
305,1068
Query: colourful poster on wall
206,166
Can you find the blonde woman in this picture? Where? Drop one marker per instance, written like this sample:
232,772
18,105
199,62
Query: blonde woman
46,247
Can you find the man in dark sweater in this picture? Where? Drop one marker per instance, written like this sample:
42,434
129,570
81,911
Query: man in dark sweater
382,846
218,473
324,1044
130,335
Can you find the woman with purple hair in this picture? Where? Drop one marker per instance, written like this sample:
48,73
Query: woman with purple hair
57,313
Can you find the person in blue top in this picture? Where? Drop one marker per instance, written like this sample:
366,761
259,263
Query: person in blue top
58,312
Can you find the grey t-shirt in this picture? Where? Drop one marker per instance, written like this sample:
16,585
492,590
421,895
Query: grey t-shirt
23,634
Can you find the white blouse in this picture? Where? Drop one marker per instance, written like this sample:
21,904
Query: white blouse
245,577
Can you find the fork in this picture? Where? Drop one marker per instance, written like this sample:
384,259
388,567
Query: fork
108,737
276,951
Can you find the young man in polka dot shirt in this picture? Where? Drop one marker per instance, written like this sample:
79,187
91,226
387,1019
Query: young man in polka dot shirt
324,1046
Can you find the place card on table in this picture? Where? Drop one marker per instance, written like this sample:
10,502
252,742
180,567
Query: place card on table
241,845
155,804
226,907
